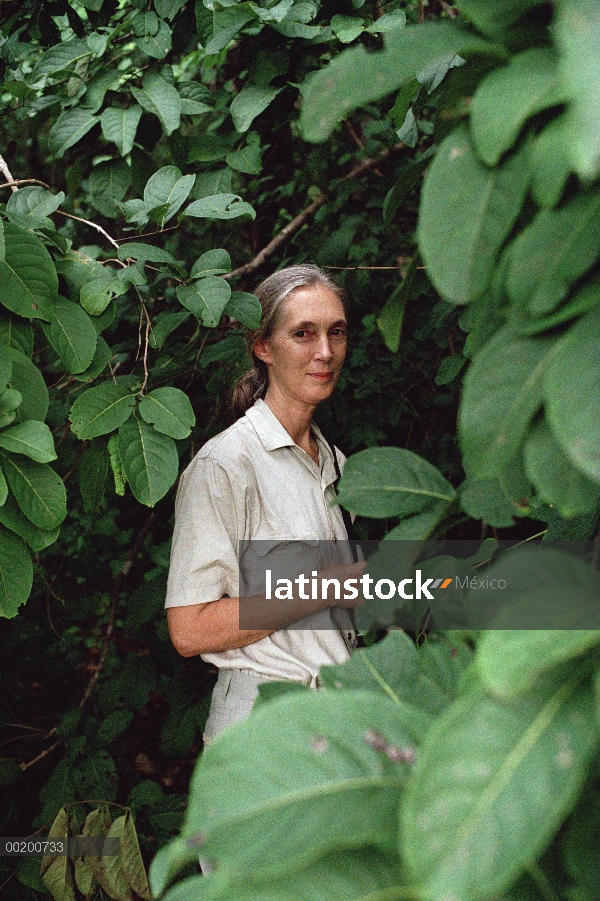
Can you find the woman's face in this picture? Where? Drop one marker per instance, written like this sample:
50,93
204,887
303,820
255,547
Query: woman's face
306,351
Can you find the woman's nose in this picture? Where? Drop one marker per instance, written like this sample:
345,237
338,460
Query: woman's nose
324,351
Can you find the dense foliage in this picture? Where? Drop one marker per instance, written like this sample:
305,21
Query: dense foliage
146,147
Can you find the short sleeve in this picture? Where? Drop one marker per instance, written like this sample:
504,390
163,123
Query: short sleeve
209,512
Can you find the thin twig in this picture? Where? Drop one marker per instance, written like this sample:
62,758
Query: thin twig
91,224
143,313
25,766
292,227
23,181
4,168
150,234
353,268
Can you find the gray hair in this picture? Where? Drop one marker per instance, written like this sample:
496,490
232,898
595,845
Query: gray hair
271,293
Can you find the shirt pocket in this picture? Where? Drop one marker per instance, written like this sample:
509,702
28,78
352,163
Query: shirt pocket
285,557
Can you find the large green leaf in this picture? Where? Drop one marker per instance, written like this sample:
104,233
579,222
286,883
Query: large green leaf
72,335
497,17
96,294
16,332
120,125
213,262
31,438
244,308
391,481
572,397
60,57
492,784
549,163
499,499
28,280
149,459
425,678
153,34
550,254
556,479
146,253
330,780
16,573
392,316
503,390
13,518
220,206
167,188
109,181
40,492
30,207
101,410
508,97
510,661
70,127
159,97
366,875
467,211
577,33
169,410
356,77
252,100
132,862
27,379
206,298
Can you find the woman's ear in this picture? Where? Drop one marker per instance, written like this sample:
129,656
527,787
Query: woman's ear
261,351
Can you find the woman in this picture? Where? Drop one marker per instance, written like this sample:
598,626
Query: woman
269,478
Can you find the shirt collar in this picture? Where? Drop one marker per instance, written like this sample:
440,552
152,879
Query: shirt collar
268,428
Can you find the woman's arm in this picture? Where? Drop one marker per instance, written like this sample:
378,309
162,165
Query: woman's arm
214,627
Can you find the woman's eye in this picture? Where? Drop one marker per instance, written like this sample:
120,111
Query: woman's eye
339,332
301,333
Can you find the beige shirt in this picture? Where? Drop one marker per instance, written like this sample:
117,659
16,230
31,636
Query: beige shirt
253,482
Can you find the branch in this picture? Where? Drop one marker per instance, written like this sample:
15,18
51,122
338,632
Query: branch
91,224
4,168
22,181
296,223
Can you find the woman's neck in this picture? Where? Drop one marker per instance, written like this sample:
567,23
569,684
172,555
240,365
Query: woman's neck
296,418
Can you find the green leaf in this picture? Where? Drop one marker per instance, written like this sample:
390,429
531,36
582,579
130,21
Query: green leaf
408,179
167,188
252,100
101,410
245,308
365,875
5,367
509,96
213,262
164,326
169,410
120,125
60,57
131,860
347,28
97,87
550,254
571,394
492,784
93,470
30,207
3,493
116,884
28,280
577,33
498,17
116,465
355,77
40,492
2,245
220,206
57,872
15,520
331,780
96,295
248,159
72,335
425,678
391,481
27,379
16,332
226,24
498,500
554,476
502,391
392,315
109,182
70,127
388,22
159,97
149,460
510,661
31,438
206,298
16,573
449,369
549,163
101,359
466,213
153,34
145,253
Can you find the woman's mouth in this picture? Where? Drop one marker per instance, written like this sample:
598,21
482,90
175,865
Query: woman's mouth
321,376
